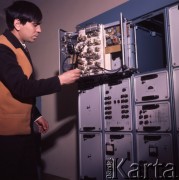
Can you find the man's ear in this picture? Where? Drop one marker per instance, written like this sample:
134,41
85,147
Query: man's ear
17,24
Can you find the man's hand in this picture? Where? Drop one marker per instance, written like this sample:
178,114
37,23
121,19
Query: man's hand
42,125
69,77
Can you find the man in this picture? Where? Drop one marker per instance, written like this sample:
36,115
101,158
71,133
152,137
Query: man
18,90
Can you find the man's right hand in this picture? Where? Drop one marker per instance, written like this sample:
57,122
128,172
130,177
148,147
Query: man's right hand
69,77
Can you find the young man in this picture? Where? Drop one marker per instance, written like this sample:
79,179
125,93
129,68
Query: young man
18,90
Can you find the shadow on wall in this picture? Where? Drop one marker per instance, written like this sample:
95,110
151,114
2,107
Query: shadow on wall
67,102
67,110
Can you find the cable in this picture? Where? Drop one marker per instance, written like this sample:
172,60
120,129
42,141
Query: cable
113,71
63,65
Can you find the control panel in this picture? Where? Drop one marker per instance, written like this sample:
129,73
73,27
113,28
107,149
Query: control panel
90,113
176,95
155,150
99,49
115,154
90,51
117,106
91,159
153,117
153,86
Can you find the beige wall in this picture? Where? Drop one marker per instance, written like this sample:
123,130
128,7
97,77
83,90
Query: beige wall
60,143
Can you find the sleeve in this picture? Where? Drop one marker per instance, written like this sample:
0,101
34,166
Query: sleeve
16,81
35,113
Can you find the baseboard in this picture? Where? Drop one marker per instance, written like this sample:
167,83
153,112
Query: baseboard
52,177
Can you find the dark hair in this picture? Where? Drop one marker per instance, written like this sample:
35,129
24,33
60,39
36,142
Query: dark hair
24,11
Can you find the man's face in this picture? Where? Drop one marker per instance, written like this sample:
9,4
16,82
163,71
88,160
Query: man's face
30,31
27,32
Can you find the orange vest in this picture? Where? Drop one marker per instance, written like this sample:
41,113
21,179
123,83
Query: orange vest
15,116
